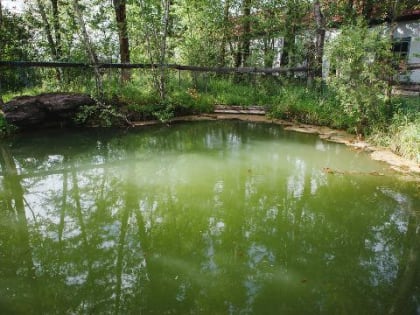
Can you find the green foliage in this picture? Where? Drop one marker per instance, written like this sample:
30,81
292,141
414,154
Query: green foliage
99,115
5,127
361,60
15,44
164,113
36,90
406,140
402,132
309,105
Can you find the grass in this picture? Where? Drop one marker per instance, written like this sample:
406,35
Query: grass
398,129
402,132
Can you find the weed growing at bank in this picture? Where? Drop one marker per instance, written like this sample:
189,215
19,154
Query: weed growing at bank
396,126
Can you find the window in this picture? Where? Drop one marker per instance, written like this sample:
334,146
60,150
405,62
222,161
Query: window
401,48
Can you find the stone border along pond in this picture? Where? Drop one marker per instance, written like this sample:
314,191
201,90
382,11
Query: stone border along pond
409,169
50,107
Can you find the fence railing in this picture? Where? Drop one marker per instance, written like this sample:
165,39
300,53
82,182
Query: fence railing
50,64
45,64
73,76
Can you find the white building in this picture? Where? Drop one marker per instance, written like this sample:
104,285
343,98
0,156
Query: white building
407,44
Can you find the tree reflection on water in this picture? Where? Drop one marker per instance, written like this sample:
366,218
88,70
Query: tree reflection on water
202,218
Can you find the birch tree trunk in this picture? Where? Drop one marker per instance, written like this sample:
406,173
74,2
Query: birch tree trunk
156,33
89,48
48,32
222,56
57,29
163,70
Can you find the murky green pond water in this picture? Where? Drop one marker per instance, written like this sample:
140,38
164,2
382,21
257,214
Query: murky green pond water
203,218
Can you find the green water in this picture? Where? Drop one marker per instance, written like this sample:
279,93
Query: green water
203,218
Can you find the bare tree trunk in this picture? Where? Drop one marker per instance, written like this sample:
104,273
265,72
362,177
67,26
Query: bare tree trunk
50,39
320,39
47,29
246,36
238,56
316,50
89,48
162,83
156,46
222,57
57,35
149,41
243,49
121,17
57,30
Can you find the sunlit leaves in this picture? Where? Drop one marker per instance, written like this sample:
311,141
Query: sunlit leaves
360,60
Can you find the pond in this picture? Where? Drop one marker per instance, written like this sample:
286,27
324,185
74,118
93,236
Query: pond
203,218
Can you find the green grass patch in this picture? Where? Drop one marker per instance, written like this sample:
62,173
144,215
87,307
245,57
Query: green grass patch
401,133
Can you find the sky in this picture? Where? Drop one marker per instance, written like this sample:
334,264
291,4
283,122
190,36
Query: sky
13,5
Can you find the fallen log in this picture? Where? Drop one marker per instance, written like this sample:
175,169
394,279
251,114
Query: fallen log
50,109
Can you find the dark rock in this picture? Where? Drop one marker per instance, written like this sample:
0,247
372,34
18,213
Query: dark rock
52,109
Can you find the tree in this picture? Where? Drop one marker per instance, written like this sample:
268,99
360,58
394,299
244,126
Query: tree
165,25
55,52
319,39
57,29
156,31
295,14
225,31
121,18
16,44
243,51
202,32
89,47
360,57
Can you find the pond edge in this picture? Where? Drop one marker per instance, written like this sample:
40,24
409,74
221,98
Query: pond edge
395,162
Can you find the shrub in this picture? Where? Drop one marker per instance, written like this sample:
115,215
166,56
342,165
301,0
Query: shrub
99,115
361,58
402,135
406,141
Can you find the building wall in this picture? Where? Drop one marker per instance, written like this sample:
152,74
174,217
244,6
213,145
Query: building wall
404,29
411,29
